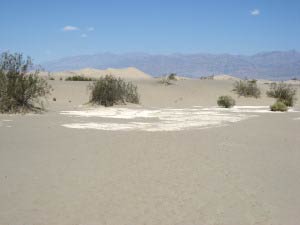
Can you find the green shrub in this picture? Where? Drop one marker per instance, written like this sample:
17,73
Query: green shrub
279,106
165,80
50,77
109,90
78,78
226,101
246,88
282,92
20,91
172,76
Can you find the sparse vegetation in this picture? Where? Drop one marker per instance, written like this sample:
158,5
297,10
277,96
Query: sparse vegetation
226,101
211,77
50,77
20,91
282,92
79,78
172,76
247,88
167,80
109,90
279,106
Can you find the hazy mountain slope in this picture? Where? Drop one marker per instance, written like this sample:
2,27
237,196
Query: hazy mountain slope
275,65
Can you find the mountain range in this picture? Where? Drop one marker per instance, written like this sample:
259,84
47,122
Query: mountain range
274,65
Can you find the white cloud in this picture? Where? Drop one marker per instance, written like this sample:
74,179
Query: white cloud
70,28
90,29
255,12
83,35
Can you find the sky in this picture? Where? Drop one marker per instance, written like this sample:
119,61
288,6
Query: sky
48,30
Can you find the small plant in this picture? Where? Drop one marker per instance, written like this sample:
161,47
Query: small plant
20,91
246,88
282,92
78,78
211,77
109,90
60,79
165,80
50,77
172,76
279,106
226,101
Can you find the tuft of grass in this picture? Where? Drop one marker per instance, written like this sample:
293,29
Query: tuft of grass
109,90
78,78
246,88
167,80
211,77
283,92
20,91
226,101
172,76
279,106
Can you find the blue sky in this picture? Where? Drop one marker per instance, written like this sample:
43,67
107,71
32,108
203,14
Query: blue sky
53,29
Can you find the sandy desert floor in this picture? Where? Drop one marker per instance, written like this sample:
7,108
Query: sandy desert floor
174,159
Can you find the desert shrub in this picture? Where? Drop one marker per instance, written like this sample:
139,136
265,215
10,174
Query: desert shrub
50,77
279,106
165,80
78,78
282,92
246,88
109,90
226,101
20,91
172,76
211,77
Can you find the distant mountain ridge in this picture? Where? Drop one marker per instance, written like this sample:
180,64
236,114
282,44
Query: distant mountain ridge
268,65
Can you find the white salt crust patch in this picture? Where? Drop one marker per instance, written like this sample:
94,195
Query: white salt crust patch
166,119
3,122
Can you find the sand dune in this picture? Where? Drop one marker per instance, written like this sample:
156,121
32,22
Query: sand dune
225,77
127,73
174,159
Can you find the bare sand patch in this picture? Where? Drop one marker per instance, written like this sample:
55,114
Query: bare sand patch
243,172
